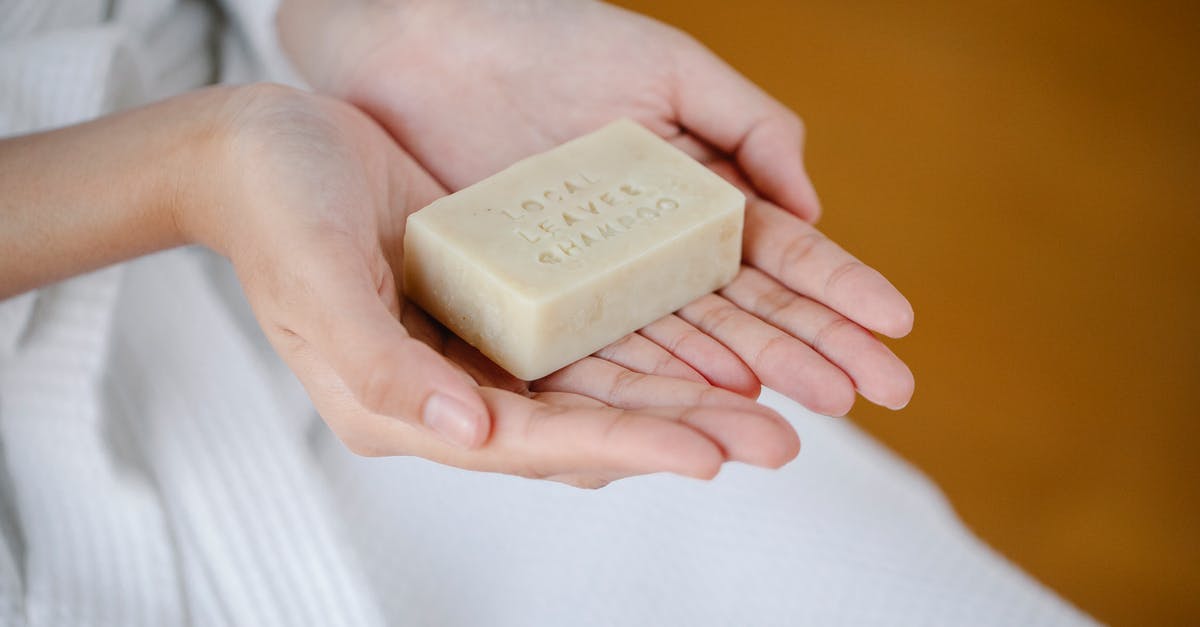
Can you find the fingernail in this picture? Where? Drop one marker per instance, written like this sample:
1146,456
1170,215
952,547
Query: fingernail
451,419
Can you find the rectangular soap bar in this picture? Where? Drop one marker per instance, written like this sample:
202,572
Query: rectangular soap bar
565,252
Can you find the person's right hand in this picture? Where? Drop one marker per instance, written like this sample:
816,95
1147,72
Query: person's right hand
470,86
310,207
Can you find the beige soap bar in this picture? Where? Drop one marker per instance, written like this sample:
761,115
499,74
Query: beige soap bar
565,252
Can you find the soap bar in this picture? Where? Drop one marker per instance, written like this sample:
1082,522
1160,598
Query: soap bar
567,251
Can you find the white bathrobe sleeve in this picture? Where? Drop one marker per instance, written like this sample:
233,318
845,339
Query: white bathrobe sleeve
154,467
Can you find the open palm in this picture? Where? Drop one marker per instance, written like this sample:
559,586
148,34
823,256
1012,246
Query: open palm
469,86
314,227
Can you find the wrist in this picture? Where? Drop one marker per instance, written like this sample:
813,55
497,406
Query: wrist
78,198
263,154
197,165
223,177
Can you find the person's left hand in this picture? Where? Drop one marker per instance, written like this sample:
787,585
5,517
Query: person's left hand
308,198
469,86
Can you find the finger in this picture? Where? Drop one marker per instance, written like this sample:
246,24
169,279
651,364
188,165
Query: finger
729,171
753,437
877,373
342,314
620,387
719,366
639,354
632,352
696,148
780,361
536,439
746,432
721,106
557,435
802,258
568,399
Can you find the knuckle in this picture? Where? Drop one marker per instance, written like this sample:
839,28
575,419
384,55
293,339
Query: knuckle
770,349
798,251
839,273
622,382
685,337
710,397
842,399
617,347
828,330
773,301
665,363
717,317
375,389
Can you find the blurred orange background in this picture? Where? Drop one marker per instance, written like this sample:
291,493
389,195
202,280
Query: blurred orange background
1029,175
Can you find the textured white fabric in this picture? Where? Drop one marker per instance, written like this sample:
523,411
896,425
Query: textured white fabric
846,535
160,466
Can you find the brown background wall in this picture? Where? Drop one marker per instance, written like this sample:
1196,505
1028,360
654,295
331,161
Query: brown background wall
1029,175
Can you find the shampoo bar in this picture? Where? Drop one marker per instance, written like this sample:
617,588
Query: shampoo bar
565,252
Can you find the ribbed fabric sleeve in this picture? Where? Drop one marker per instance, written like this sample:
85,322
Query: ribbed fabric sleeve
95,549
257,535
105,522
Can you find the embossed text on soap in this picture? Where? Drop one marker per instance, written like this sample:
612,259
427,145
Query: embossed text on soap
565,221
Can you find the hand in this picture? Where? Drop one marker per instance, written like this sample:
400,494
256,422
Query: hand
469,86
311,207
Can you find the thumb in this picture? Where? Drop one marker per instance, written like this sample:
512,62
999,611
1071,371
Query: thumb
721,106
351,325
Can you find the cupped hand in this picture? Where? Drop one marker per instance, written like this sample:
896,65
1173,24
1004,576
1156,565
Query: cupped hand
311,208
470,86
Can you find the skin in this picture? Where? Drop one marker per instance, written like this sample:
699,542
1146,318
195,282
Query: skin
307,197
469,86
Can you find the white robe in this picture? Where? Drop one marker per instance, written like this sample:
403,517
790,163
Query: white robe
160,466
